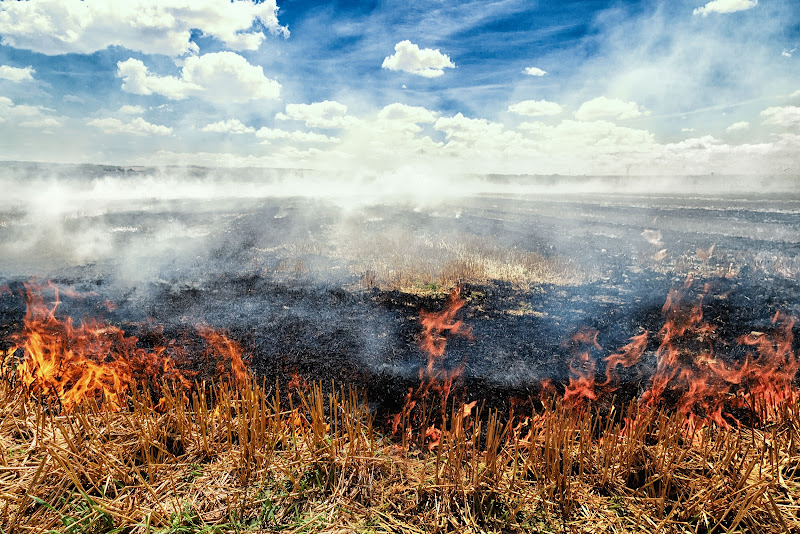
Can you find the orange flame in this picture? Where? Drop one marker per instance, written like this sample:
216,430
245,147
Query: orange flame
628,356
68,364
691,375
229,355
436,328
582,366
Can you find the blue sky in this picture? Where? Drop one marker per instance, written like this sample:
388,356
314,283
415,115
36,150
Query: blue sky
680,87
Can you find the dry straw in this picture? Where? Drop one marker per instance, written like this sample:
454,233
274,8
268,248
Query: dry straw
256,458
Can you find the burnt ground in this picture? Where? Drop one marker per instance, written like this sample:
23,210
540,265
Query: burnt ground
369,338
273,276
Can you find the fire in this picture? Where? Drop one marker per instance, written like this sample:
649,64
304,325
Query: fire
628,356
228,354
297,382
434,378
582,366
67,364
692,374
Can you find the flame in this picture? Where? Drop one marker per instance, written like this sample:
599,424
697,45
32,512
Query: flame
437,327
628,356
297,382
692,375
768,372
67,364
582,366
230,363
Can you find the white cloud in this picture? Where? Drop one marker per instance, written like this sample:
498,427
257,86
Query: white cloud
402,117
270,134
403,112
232,126
782,116
16,74
25,115
534,71
738,126
609,108
325,114
686,130
74,99
151,26
137,126
425,62
725,6
217,77
788,53
535,108
587,138
461,128
131,110
226,76
44,122
795,94
137,79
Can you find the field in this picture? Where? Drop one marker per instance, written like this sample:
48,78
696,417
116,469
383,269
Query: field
512,356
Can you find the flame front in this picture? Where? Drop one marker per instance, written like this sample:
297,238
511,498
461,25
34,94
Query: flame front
65,364
691,374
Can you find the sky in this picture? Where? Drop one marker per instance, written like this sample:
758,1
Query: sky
680,87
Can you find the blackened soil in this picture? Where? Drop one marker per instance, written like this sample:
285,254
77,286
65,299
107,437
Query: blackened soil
369,339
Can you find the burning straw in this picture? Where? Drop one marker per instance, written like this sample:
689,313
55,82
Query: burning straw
248,456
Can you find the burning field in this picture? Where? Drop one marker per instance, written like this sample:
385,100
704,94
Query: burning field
516,358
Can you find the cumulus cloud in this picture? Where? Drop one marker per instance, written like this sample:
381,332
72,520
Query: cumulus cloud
534,71
738,126
725,6
463,128
131,110
55,27
406,118
782,116
795,94
535,108
16,74
271,134
596,137
325,114
27,116
137,79
232,126
217,77
609,108
425,62
137,126
403,112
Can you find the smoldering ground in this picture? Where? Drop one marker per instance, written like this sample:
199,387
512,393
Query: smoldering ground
325,276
